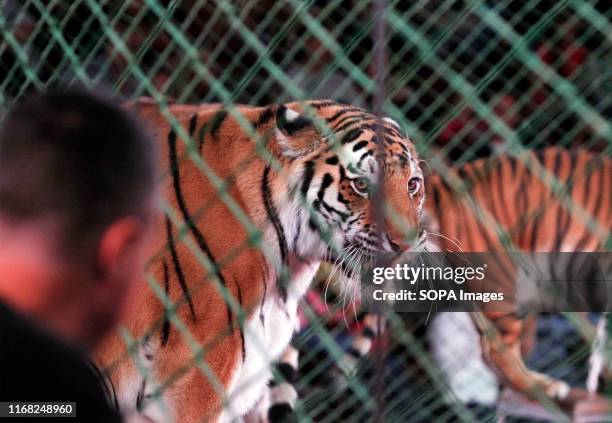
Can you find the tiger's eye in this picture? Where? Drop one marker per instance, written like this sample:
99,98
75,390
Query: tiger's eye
361,186
414,185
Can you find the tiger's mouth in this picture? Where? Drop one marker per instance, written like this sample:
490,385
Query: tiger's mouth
349,266
355,263
356,257
367,257
351,251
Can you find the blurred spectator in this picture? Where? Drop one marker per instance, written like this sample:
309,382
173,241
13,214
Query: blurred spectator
470,134
566,55
463,132
319,77
76,210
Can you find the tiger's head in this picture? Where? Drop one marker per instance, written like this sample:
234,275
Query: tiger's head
337,176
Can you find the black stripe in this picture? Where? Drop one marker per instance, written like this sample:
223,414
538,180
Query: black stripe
501,186
351,135
165,334
333,160
379,128
482,230
323,103
272,213
331,209
337,115
192,124
327,181
591,167
484,176
545,203
287,371
342,173
291,126
201,137
347,121
281,412
465,177
265,116
563,216
187,216
347,124
343,112
216,123
240,323
363,156
316,204
522,205
368,333
513,164
308,175
360,145
264,267
278,228
340,198
598,166
212,126
177,268
140,395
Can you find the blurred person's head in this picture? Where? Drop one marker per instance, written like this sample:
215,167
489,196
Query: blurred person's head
77,202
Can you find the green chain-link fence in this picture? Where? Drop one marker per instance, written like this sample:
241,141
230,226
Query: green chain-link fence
465,79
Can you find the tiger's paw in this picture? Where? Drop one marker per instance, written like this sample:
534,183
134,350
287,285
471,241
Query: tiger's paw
553,388
557,389
560,392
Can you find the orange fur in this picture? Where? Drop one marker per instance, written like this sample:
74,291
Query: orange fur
220,342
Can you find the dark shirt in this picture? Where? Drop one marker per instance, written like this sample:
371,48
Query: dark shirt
35,367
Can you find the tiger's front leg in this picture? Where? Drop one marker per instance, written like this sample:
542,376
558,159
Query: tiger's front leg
277,404
501,344
282,392
193,384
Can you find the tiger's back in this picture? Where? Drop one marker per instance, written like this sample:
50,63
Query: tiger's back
551,200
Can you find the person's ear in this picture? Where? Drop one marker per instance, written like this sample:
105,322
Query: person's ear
118,264
296,133
117,247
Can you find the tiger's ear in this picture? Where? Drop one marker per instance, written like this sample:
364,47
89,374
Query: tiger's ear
296,134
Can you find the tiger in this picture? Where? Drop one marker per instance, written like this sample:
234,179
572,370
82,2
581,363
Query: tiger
461,212
251,214
549,200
